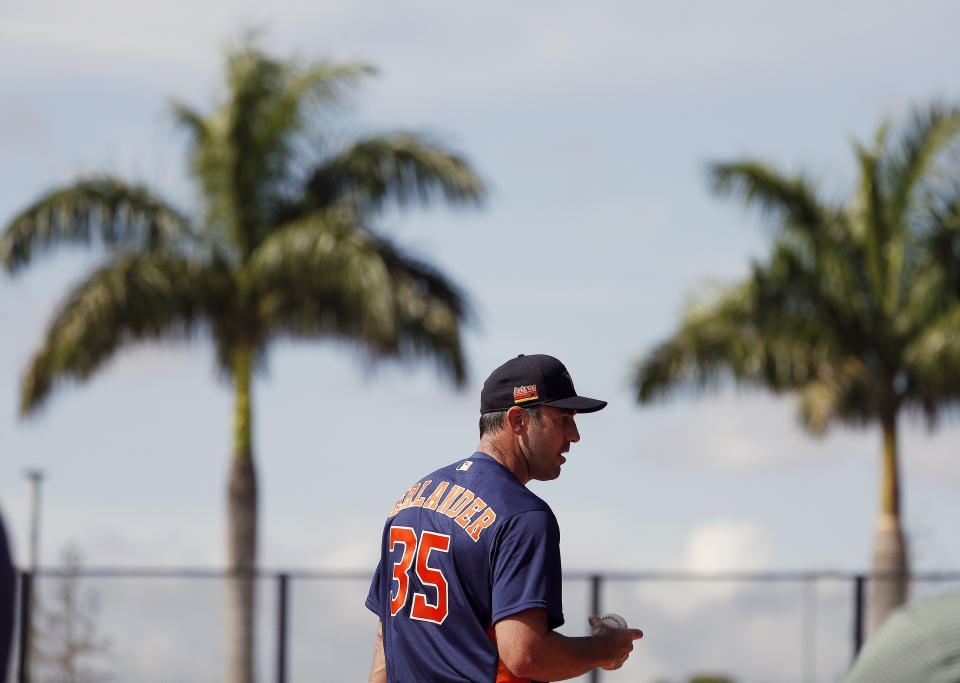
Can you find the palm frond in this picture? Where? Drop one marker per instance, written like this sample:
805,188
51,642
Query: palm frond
190,119
842,389
402,167
210,165
725,338
100,209
932,289
932,359
430,311
253,80
817,406
290,104
136,297
883,250
941,242
325,83
319,276
911,165
266,111
781,348
292,123
429,326
323,277
823,300
425,280
793,202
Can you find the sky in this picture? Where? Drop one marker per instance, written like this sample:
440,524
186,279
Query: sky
592,126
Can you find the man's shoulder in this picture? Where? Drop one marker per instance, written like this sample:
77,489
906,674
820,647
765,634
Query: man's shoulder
477,478
486,476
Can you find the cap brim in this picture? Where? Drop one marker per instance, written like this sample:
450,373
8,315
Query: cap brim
581,404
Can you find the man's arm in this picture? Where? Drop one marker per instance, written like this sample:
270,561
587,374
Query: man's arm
378,673
531,650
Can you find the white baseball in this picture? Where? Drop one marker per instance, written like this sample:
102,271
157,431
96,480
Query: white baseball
614,620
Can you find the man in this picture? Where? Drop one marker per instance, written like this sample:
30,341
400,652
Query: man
469,584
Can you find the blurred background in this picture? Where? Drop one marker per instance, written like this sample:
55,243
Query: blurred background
592,128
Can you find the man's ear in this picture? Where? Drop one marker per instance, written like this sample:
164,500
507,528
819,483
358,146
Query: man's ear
516,420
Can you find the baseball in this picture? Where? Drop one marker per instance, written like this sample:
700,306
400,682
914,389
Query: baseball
614,620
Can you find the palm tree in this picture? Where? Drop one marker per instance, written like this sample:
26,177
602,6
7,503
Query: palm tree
284,247
856,311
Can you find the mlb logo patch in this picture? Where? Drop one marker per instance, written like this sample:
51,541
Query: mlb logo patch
464,466
528,392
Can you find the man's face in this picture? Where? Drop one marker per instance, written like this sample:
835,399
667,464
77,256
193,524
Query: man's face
547,439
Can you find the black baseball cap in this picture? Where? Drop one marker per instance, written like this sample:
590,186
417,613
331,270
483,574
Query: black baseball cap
532,380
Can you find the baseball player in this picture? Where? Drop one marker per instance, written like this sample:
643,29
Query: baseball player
469,582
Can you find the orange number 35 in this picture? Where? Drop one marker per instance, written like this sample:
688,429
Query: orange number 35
428,576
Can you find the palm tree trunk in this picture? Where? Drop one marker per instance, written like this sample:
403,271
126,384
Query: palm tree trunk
891,572
241,531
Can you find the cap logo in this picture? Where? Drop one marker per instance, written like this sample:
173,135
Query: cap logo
569,379
527,392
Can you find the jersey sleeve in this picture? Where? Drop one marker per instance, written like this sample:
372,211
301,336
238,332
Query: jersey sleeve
526,570
374,597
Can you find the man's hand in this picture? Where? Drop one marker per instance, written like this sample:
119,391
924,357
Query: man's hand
530,649
618,640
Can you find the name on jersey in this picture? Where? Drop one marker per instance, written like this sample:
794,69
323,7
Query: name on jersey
459,503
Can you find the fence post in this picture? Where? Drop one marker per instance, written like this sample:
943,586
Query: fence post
858,613
809,628
595,581
282,627
26,616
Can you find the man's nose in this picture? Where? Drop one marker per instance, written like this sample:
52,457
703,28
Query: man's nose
573,433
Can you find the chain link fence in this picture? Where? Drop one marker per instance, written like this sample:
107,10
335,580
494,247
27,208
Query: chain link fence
166,626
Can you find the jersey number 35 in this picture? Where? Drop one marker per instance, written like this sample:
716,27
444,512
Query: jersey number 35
428,576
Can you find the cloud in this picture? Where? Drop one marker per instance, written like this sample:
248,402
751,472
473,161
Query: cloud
716,546
505,49
726,545
349,555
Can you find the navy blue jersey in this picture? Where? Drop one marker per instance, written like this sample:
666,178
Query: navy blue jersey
465,547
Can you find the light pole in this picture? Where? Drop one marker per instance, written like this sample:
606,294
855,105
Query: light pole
36,477
27,598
